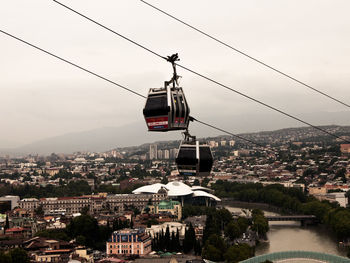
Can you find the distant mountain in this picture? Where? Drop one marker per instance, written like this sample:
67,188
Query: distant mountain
97,140
107,138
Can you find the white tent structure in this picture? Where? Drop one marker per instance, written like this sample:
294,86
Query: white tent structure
179,190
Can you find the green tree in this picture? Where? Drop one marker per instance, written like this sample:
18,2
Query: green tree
7,223
39,210
5,257
232,230
167,239
85,210
238,253
190,239
214,248
260,223
59,234
85,226
205,182
19,255
81,240
164,180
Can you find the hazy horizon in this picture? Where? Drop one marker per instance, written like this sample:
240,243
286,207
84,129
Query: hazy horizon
43,97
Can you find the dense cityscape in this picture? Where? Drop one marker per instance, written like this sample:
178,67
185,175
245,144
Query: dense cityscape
131,204
157,131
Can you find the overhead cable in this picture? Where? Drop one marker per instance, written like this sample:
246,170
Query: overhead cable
247,55
201,75
71,63
114,83
227,132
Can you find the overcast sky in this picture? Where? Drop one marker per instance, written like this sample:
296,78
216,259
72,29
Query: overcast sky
43,97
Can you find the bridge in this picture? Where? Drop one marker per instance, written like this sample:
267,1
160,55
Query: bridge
303,219
298,256
292,218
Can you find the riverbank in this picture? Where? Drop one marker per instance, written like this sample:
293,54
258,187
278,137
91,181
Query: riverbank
230,202
285,236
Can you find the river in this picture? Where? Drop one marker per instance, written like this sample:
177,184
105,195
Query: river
284,236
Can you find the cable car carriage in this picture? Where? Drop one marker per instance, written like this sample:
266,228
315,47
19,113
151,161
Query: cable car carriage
194,158
166,109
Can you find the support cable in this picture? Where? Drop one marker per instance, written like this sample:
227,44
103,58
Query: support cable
248,56
71,63
114,83
201,75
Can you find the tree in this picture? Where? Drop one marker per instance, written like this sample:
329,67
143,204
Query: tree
59,234
19,255
214,248
167,239
81,240
147,209
212,253
7,224
39,210
136,211
190,239
205,182
85,210
232,230
164,180
238,253
260,223
5,257
85,226
177,241
198,248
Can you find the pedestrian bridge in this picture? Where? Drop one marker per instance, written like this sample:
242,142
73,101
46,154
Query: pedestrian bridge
297,256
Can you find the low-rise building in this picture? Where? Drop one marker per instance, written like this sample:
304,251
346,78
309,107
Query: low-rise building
29,203
128,242
119,202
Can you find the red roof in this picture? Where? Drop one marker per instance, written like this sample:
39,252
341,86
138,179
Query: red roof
16,229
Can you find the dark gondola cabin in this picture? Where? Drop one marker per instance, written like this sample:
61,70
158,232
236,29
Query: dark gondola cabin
194,159
166,109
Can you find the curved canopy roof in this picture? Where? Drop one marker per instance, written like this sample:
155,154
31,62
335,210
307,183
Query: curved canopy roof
200,193
149,189
178,189
198,187
174,189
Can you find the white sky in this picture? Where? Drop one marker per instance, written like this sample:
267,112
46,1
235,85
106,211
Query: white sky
43,97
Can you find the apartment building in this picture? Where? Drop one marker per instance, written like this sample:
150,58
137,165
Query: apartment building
119,202
96,203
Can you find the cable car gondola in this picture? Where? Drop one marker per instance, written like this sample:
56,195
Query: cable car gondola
194,158
166,109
